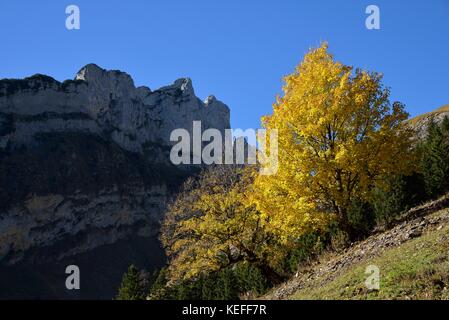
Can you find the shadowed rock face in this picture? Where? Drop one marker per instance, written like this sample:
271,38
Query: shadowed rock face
101,270
76,183
84,166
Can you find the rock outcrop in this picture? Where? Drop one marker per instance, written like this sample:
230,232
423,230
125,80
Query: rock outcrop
421,122
84,163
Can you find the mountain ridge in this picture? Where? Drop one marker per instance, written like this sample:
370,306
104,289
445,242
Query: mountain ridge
422,121
84,166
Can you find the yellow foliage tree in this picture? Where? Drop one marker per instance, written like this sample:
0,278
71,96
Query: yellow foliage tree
210,225
338,135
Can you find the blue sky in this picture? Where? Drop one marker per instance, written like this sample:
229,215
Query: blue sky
236,50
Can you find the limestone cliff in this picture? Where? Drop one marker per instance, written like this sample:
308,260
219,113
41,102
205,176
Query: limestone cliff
105,103
84,162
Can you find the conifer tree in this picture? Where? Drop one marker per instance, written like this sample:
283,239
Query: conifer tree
131,287
435,158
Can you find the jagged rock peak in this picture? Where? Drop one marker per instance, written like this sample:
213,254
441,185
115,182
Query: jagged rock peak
210,100
89,71
92,73
184,85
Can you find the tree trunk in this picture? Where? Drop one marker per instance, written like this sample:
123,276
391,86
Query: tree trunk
344,224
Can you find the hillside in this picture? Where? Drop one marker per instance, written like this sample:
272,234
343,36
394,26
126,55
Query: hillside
439,111
412,257
420,123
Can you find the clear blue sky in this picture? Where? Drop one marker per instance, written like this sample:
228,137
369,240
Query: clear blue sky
237,50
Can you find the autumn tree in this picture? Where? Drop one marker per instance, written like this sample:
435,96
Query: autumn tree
211,225
338,137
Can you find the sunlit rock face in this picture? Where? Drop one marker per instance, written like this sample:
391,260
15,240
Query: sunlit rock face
105,103
421,123
84,162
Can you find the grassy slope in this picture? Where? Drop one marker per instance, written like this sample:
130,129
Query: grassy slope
417,269
439,110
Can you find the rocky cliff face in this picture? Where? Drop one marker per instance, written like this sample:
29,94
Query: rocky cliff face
421,122
84,163
105,103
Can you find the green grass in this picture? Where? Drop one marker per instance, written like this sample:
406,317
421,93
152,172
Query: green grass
418,269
